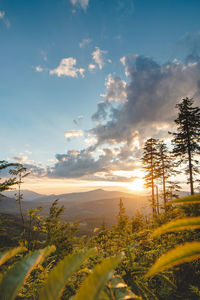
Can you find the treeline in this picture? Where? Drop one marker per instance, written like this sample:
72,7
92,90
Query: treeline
162,166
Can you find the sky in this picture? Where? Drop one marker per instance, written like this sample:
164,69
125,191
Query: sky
83,83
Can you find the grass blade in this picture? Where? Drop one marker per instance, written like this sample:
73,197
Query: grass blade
92,286
182,224
57,278
176,256
186,200
4,256
15,277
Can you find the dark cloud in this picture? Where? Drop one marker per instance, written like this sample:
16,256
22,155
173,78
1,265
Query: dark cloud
152,92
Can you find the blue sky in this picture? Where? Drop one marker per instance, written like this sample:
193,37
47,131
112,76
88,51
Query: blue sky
55,59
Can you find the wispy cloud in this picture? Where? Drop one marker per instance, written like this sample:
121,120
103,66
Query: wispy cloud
91,67
84,43
78,119
39,69
98,56
73,134
67,68
44,55
4,19
81,3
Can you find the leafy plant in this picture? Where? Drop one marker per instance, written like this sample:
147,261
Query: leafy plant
182,253
16,275
58,276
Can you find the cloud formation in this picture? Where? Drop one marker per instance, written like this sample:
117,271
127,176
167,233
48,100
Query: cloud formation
131,112
82,3
115,89
73,134
67,68
98,56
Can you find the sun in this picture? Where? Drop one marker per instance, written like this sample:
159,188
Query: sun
136,185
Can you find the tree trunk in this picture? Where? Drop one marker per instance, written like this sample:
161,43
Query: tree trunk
157,198
190,171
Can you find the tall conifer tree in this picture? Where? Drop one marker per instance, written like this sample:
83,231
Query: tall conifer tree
150,161
186,139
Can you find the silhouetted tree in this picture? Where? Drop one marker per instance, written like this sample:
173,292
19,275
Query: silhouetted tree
7,183
150,162
20,172
165,169
186,139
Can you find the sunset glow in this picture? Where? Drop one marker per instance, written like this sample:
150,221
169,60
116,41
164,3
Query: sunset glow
137,185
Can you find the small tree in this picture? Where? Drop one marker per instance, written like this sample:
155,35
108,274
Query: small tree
150,162
186,140
20,172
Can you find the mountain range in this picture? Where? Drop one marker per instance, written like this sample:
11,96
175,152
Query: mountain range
90,208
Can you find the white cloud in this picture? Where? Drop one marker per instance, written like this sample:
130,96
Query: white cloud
98,57
90,141
4,19
73,134
67,68
91,67
21,158
115,89
82,3
84,43
39,69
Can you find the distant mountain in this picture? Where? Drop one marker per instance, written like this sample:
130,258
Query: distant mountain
27,195
85,196
81,204
90,208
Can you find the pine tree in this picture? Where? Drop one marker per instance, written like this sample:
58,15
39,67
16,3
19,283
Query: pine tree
122,218
150,162
165,169
186,139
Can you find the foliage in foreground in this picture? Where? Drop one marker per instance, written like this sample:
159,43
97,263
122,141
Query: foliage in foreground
117,268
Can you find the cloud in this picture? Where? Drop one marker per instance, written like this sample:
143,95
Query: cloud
34,168
39,69
131,112
67,68
73,134
20,158
4,19
152,92
84,43
82,3
115,89
98,56
91,67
